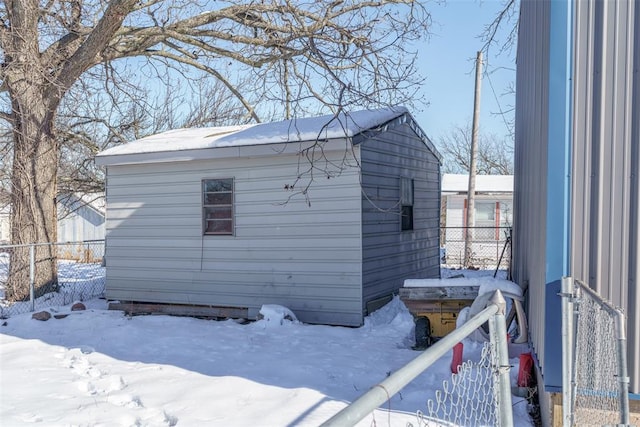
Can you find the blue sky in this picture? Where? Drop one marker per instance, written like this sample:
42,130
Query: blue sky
447,61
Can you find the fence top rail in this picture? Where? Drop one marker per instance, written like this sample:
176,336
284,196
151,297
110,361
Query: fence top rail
489,227
606,305
26,245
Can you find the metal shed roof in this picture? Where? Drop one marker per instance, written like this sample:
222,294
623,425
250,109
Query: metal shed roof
328,127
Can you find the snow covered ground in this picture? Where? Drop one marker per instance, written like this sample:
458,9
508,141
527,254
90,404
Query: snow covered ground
102,368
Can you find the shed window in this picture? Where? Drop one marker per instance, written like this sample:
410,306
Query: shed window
217,204
406,204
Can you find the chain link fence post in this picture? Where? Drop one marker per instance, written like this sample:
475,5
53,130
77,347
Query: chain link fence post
81,275
567,350
500,362
623,375
32,277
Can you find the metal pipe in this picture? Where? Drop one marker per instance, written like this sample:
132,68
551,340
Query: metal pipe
382,392
606,306
32,277
24,245
576,323
623,376
500,361
567,350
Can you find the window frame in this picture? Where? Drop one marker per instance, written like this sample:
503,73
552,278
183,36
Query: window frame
206,206
489,205
407,201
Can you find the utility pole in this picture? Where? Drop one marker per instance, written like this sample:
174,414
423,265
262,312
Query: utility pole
471,193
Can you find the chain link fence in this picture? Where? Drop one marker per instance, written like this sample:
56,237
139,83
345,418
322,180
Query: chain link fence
80,276
470,398
595,384
479,394
490,247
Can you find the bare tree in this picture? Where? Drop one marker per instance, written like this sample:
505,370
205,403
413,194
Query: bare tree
499,37
91,121
492,35
494,156
304,55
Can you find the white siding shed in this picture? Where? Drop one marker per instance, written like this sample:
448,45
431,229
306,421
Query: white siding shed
304,213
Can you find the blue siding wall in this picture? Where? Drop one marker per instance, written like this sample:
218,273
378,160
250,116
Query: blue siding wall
559,141
391,255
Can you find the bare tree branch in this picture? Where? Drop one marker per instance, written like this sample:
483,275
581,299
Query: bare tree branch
85,56
77,75
494,156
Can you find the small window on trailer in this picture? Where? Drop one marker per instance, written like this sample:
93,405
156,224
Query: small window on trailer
406,204
217,206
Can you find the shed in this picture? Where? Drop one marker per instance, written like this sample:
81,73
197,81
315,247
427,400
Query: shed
5,224
81,217
5,217
326,215
576,199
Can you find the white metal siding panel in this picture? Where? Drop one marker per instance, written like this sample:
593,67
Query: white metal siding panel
530,183
455,209
390,255
605,223
605,159
303,253
633,314
4,227
83,223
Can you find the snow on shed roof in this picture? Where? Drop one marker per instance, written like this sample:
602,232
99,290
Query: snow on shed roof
345,125
459,183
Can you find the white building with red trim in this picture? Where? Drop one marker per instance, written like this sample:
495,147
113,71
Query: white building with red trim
493,217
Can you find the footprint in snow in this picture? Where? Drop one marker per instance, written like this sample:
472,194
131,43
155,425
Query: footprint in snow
127,401
170,420
87,387
82,367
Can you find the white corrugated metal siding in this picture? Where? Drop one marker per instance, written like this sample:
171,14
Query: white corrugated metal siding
605,159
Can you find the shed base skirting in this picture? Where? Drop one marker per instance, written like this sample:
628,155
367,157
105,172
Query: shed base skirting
139,308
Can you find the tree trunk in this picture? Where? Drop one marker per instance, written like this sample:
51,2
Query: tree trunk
34,187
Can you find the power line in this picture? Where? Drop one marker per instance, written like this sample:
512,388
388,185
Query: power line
502,113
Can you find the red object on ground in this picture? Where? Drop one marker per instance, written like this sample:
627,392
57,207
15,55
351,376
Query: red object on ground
456,361
525,373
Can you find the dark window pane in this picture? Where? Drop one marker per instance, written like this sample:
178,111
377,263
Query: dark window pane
218,213
407,218
216,185
218,198
219,227
406,191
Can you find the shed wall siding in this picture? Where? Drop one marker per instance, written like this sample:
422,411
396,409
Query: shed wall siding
390,255
5,228
82,224
284,251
